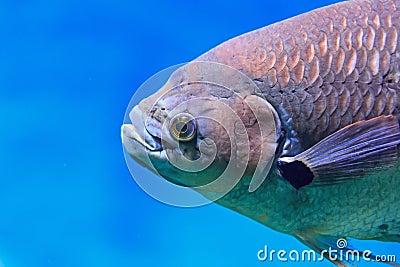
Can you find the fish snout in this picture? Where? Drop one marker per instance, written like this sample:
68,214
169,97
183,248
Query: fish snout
137,132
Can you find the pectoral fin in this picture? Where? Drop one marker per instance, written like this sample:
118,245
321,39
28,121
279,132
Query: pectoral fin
360,148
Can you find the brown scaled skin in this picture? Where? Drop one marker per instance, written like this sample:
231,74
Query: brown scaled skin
325,69
321,71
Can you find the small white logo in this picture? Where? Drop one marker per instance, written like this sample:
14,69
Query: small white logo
341,243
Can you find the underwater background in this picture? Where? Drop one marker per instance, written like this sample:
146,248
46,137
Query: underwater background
68,69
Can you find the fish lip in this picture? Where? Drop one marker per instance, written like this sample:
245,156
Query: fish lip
146,140
153,141
135,146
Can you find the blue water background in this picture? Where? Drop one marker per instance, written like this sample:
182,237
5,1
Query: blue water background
67,72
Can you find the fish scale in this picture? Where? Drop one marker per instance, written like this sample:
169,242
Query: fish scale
324,70
332,66
349,209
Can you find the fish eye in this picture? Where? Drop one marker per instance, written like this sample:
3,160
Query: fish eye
183,127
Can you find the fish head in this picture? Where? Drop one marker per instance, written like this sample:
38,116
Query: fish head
203,132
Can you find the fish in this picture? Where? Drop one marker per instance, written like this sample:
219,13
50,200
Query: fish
294,125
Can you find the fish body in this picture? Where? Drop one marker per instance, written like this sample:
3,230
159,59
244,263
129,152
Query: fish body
324,69
329,74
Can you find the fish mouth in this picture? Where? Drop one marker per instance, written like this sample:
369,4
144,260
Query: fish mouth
142,148
130,133
138,142
137,148
135,133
